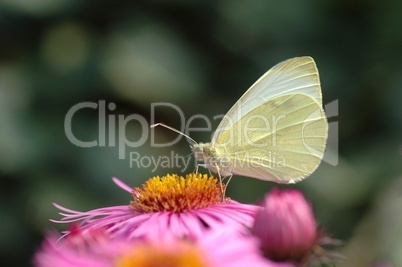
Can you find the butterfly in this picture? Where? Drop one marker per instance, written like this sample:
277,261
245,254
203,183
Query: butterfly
276,131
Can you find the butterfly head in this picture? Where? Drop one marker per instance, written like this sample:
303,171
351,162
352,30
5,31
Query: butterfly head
198,151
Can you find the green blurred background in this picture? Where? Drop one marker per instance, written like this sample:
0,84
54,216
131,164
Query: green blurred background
55,54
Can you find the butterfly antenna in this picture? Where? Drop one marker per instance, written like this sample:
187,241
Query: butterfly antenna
174,130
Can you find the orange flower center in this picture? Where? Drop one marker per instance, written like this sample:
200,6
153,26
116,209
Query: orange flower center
177,194
182,255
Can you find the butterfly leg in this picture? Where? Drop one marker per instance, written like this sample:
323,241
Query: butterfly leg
218,171
226,175
227,183
196,168
221,179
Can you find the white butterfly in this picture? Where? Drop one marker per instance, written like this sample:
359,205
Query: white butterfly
276,131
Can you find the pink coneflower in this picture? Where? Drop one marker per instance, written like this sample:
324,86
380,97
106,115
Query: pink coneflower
218,248
171,205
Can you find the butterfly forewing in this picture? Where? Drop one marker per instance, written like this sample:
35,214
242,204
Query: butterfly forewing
293,76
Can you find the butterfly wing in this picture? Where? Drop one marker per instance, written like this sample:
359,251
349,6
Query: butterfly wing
296,75
277,131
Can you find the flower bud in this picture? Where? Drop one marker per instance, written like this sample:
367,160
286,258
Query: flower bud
286,226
